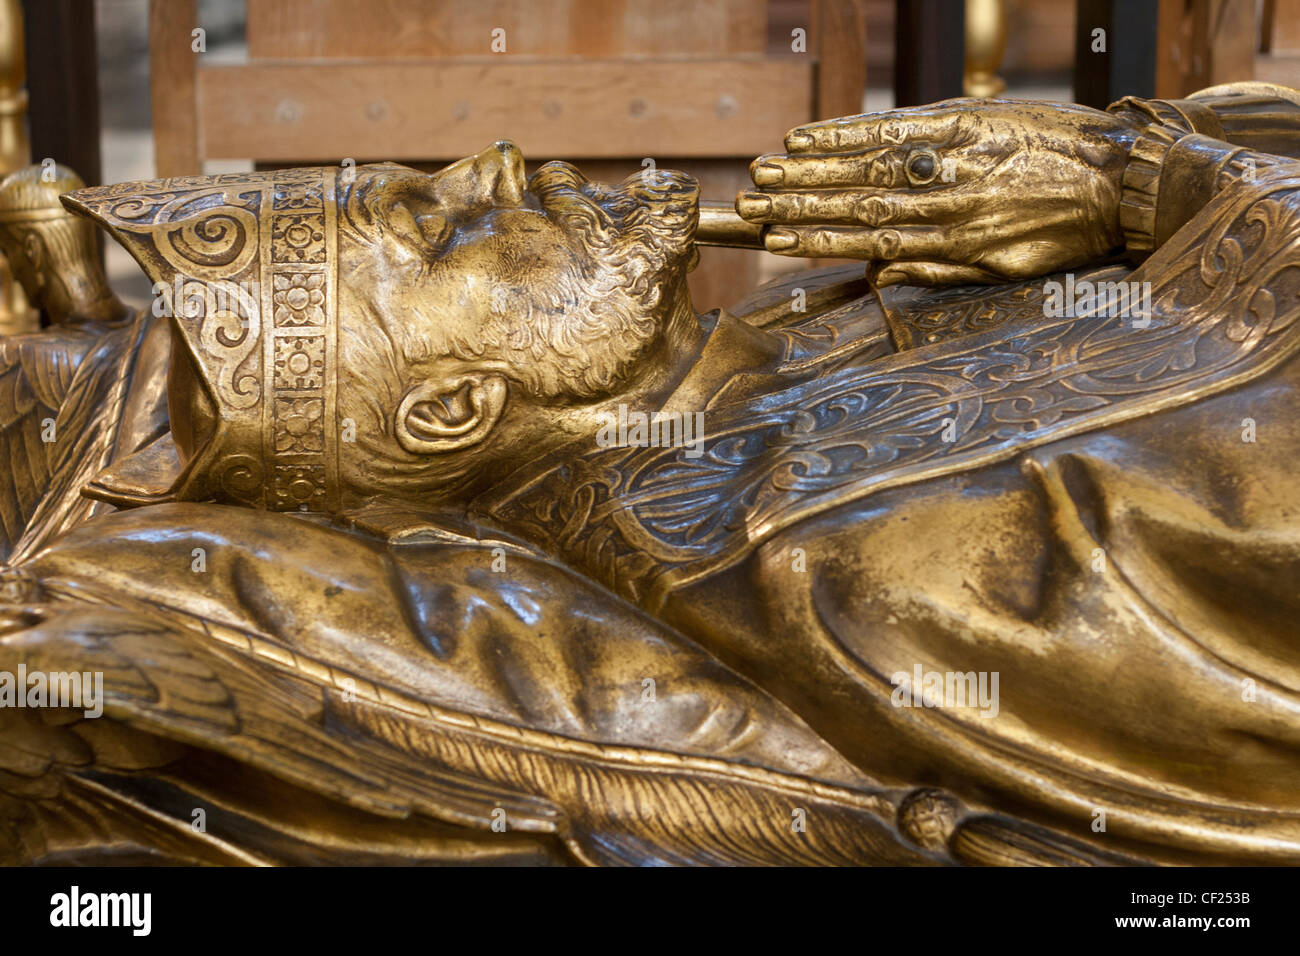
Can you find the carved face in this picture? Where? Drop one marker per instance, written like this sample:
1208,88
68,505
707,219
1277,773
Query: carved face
46,247
469,288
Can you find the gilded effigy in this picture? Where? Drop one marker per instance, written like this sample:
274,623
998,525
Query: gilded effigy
428,520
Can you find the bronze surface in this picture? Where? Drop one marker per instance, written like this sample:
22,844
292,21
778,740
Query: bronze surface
424,518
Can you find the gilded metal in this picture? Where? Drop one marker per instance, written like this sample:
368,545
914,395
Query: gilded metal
15,152
986,41
426,519
721,225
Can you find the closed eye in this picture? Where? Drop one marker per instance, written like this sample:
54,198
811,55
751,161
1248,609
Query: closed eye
435,229
414,216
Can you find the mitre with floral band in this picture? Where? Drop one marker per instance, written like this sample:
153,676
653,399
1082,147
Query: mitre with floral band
248,266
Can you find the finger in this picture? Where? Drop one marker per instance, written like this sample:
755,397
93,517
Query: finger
858,207
933,274
819,207
878,168
892,127
822,242
888,167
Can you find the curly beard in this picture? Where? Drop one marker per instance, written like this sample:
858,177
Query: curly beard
580,333
572,336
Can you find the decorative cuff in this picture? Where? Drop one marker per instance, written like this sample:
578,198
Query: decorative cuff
1173,168
1141,190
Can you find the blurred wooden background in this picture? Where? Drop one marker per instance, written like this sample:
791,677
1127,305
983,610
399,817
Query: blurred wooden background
701,85
611,85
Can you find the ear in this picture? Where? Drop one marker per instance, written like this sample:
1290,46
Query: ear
450,413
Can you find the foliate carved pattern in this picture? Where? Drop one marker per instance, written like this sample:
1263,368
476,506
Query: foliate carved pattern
945,314
202,238
299,362
298,298
299,303
209,238
853,331
206,234
298,238
1225,304
301,195
223,319
237,477
304,174
236,179
299,426
298,487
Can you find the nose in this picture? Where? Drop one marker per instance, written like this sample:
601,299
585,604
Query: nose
494,177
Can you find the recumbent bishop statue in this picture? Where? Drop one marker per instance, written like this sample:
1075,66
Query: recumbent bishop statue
432,521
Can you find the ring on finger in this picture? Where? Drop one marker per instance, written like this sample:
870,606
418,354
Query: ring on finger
922,166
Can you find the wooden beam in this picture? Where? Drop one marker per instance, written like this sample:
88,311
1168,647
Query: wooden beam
1224,33
1206,42
346,29
839,29
1172,51
1282,20
172,68
443,109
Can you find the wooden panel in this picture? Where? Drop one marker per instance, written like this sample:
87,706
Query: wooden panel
1205,43
279,29
1040,37
172,67
839,29
1285,25
446,109
1172,49
1231,39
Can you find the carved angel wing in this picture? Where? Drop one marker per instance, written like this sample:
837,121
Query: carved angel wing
399,704
36,371
195,717
288,759
280,766
61,398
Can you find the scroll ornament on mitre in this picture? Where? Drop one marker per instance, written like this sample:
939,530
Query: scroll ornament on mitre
246,264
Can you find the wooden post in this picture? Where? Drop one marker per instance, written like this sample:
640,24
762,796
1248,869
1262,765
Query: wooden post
839,30
1117,61
929,50
63,85
173,66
